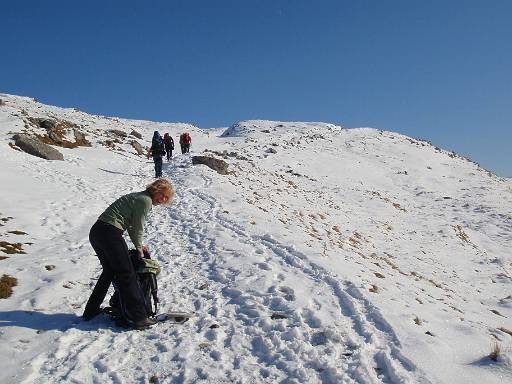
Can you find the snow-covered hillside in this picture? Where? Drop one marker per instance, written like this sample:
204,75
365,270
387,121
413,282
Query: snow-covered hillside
327,255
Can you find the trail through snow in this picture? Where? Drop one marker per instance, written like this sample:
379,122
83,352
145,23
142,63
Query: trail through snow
328,255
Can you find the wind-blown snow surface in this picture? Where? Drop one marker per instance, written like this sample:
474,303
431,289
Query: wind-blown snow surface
328,255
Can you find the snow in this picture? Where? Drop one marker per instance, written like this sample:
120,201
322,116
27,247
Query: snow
328,255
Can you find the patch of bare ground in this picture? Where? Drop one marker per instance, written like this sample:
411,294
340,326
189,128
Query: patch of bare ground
6,284
16,232
374,289
495,352
11,248
388,200
506,330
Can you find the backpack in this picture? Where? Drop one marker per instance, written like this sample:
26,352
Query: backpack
158,147
186,138
146,270
168,141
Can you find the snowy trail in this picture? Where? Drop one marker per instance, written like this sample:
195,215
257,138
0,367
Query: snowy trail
332,256
253,320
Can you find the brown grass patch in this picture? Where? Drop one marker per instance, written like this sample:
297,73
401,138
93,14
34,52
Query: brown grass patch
16,232
11,248
495,352
496,312
506,330
6,284
417,321
374,289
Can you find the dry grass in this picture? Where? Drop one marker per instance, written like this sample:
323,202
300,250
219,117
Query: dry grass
417,321
496,312
374,289
495,352
6,284
17,232
11,248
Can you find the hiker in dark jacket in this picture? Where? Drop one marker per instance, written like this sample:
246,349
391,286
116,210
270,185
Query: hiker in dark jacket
106,236
169,145
157,150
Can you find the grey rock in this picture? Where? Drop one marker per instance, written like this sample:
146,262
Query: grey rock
216,164
117,132
37,148
46,123
80,138
138,148
136,134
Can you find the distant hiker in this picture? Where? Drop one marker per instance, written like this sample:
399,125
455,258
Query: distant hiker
169,145
106,236
185,141
157,150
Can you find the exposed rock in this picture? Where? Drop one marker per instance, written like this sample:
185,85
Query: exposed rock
45,123
138,148
216,164
136,134
271,150
56,132
37,148
117,132
80,138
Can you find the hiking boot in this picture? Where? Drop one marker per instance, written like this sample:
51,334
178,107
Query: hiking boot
90,314
143,324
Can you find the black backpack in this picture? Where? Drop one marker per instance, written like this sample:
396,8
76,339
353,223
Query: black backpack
158,147
146,269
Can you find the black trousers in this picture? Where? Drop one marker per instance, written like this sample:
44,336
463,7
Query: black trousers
169,153
185,148
158,165
112,251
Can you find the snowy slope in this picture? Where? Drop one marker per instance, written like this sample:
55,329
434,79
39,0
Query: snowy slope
327,255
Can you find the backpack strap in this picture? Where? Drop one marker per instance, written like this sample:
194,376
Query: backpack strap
154,293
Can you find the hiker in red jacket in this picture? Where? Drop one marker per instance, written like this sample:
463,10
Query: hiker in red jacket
185,141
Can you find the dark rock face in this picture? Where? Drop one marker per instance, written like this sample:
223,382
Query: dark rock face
37,148
138,148
46,123
216,164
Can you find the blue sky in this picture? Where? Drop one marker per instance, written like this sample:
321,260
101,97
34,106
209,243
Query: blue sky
436,70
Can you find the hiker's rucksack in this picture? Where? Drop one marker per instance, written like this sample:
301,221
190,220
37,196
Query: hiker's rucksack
187,139
146,269
158,147
168,141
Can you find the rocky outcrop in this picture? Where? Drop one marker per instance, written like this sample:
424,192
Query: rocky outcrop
35,147
117,133
58,131
136,134
138,148
80,138
216,164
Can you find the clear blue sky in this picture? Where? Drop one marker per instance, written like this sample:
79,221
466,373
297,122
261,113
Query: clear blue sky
439,70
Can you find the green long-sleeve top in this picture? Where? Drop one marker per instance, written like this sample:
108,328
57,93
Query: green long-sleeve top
129,213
